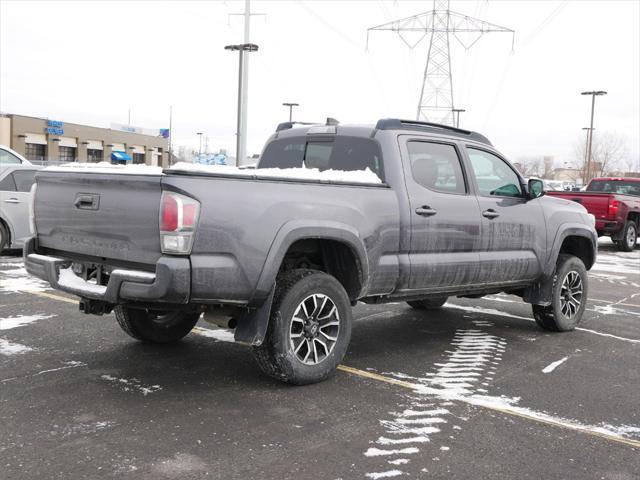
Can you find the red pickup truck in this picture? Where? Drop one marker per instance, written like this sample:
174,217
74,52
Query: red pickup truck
615,202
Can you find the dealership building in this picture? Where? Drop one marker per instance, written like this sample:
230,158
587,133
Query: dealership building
47,140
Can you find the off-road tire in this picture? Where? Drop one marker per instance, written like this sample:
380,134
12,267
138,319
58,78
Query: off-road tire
147,326
276,356
4,237
428,303
551,317
628,237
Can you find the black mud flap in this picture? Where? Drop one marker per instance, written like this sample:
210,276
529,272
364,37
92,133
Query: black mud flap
540,293
253,323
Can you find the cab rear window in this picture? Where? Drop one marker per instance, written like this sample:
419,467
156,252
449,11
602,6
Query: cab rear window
332,153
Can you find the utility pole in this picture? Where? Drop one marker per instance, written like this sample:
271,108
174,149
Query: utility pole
436,98
129,118
593,94
457,112
241,141
243,90
290,105
199,148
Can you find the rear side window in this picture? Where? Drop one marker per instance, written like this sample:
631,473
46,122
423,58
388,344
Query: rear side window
7,158
614,186
336,153
436,166
24,179
7,184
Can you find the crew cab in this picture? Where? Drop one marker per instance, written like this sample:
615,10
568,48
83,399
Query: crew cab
615,203
332,215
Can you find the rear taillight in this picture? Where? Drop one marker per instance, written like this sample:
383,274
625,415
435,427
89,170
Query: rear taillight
32,209
613,208
178,220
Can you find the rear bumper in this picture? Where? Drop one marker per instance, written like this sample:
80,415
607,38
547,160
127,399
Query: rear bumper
169,284
607,227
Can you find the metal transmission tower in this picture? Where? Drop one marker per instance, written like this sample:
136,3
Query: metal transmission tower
436,98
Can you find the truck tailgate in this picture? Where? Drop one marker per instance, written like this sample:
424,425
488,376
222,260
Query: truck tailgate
596,204
111,216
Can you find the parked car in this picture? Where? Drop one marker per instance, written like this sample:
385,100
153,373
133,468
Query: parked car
11,157
615,202
15,197
400,211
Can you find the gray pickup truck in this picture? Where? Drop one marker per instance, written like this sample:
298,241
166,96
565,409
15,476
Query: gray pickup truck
283,259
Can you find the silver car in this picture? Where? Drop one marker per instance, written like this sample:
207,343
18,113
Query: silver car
15,187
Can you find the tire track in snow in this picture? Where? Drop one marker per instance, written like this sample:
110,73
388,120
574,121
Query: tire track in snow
468,367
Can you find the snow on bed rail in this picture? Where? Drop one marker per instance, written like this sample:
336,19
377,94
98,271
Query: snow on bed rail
356,176
105,167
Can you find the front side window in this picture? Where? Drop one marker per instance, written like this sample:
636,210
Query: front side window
493,176
337,153
436,166
24,179
8,158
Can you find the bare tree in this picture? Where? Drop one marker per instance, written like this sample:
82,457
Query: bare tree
530,166
608,152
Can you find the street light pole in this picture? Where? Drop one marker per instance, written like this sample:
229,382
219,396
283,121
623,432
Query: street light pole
586,148
199,148
290,105
456,112
593,105
240,143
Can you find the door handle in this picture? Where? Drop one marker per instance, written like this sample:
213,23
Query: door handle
426,211
12,200
491,213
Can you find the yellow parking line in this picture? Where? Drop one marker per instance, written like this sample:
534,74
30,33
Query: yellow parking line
505,410
54,297
410,386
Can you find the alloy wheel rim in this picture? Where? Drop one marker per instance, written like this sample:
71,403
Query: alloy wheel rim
314,329
571,294
631,237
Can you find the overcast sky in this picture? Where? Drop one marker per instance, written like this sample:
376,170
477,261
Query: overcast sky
89,61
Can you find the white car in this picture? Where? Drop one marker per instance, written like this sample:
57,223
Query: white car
16,180
11,157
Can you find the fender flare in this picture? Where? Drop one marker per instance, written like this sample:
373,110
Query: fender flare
570,230
302,229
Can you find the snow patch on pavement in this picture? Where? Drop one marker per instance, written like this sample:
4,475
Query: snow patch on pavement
8,348
552,366
220,334
21,320
133,384
18,280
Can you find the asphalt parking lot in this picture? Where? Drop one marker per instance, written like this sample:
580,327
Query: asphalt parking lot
472,391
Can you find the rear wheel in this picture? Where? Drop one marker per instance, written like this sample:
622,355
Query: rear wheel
309,328
628,237
4,237
569,296
155,326
428,303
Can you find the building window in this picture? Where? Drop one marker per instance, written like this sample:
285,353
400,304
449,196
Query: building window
35,151
138,158
67,154
94,155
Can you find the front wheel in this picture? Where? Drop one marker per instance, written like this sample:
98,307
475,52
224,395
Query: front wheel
309,328
155,326
569,296
628,237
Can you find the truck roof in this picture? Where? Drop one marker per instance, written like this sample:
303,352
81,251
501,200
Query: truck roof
332,126
616,179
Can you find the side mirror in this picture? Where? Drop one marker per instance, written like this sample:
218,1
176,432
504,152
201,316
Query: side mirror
536,188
